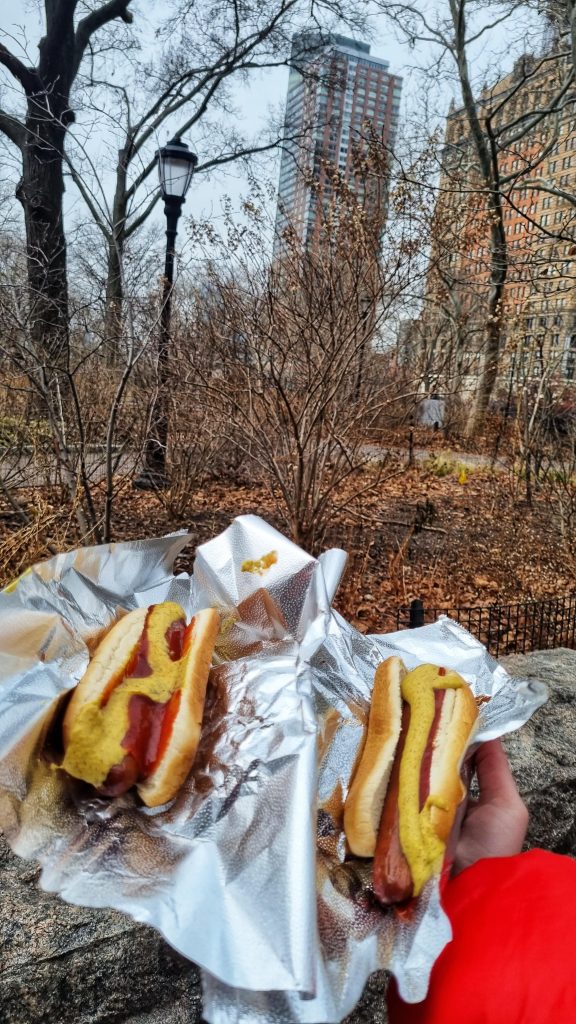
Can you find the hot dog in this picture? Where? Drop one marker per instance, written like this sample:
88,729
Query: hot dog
135,717
407,787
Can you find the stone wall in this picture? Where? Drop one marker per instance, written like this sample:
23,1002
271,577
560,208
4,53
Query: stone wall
74,966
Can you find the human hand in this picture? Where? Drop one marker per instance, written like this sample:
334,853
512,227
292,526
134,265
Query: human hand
495,824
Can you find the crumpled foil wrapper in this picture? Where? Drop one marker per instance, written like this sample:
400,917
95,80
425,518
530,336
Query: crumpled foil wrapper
245,872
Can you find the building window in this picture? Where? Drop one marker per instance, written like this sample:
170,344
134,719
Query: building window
546,203
571,358
566,162
552,166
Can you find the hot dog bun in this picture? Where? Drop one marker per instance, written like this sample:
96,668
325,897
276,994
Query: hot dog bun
363,808
135,716
404,796
110,658
455,729
174,766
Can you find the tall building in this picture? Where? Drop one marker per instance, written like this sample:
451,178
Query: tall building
536,164
338,96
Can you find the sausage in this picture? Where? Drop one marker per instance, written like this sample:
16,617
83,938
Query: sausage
391,876
391,873
120,778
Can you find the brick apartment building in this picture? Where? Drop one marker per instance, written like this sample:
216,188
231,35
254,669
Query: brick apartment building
536,161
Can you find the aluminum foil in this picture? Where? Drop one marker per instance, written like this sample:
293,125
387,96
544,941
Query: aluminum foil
245,872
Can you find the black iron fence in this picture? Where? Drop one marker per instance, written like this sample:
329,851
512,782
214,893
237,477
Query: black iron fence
506,628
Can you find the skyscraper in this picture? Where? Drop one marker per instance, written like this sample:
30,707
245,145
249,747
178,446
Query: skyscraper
338,95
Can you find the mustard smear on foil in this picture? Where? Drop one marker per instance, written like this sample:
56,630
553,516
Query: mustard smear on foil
258,566
10,587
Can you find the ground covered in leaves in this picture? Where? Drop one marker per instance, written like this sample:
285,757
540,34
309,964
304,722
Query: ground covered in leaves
448,534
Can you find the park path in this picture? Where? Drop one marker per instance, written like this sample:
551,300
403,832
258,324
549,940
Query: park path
469,459
25,472
16,473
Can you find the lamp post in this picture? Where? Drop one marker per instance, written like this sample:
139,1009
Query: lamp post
176,165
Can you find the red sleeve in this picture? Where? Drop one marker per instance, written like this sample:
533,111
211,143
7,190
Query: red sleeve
513,956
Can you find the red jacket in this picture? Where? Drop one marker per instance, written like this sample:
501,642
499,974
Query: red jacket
513,956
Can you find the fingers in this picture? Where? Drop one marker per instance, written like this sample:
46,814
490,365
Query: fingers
499,790
495,777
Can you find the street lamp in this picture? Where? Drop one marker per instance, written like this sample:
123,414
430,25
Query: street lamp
176,165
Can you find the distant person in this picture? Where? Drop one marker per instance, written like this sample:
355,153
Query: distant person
513,956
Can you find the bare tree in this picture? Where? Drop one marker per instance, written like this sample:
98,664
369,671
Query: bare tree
188,87
40,137
98,442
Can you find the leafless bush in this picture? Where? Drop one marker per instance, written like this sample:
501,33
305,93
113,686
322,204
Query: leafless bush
197,447
284,350
554,461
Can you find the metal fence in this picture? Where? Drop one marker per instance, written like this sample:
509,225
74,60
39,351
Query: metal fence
507,628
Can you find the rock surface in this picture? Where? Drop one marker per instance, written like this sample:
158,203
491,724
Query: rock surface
70,965
543,753
61,964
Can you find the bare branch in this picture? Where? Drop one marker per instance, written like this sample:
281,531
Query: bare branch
142,217
26,76
13,129
95,20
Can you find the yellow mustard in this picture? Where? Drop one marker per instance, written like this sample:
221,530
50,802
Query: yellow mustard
95,743
422,848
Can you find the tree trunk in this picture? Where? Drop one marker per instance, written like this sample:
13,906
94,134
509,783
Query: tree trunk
114,312
41,192
41,189
113,316
488,165
493,330
486,379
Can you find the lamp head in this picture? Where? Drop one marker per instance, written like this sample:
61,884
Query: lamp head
176,165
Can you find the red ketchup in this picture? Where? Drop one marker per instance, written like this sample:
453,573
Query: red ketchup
150,723
427,759
175,637
149,729
137,668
